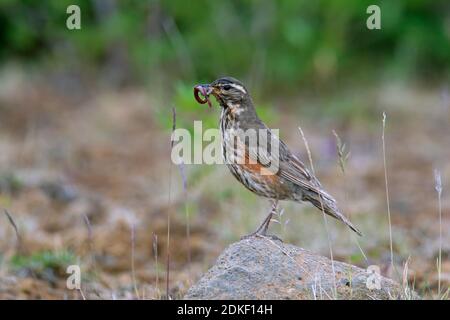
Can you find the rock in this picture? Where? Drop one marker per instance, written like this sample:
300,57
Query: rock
262,268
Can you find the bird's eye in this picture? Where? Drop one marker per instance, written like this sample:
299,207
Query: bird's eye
226,87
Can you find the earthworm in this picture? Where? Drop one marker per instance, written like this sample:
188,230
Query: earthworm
203,91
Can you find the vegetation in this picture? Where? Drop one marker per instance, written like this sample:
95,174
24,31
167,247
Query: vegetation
285,44
43,262
85,120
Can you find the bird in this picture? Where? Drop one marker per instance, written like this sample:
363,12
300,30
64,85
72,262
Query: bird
290,180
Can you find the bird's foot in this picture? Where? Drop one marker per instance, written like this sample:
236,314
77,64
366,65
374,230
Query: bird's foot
270,236
261,235
250,235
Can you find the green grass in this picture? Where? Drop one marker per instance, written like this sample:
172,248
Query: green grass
10,183
40,262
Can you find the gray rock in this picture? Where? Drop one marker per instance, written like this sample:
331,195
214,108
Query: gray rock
262,268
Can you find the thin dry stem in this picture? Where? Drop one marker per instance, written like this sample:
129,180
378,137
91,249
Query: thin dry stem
187,215
14,225
174,118
387,189
82,294
343,156
438,187
305,141
91,243
155,253
133,270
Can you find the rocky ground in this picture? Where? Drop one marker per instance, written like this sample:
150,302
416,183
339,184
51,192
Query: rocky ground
87,180
263,268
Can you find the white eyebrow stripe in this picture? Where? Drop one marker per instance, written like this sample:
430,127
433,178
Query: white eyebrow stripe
239,87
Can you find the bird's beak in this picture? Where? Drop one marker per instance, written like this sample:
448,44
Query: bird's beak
205,90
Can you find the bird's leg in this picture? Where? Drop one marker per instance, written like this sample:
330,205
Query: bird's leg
266,223
262,229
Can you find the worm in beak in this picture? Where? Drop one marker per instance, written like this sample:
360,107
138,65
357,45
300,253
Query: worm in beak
205,90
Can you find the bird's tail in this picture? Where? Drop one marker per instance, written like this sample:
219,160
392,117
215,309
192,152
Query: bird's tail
324,202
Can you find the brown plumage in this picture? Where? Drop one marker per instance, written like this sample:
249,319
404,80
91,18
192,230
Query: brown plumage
250,166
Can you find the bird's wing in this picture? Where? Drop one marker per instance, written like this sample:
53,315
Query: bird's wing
292,169
287,164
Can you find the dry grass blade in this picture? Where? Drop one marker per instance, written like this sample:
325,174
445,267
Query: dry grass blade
343,156
91,249
305,141
155,254
387,189
89,227
82,294
187,215
407,290
133,270
174,121
438,188
91,242
14,225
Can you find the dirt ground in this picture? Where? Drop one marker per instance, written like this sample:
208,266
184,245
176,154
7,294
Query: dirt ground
87,180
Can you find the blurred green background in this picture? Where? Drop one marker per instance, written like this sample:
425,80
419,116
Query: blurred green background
283,45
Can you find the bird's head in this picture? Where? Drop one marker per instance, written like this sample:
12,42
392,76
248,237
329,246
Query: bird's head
229,92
